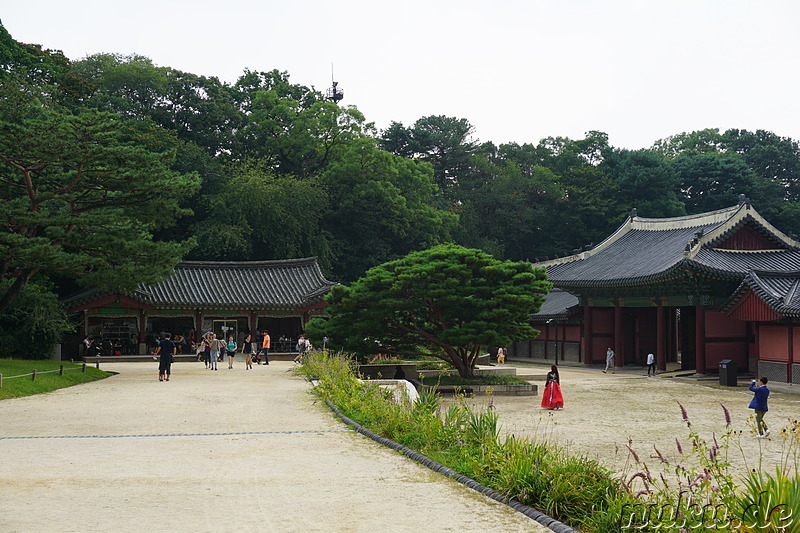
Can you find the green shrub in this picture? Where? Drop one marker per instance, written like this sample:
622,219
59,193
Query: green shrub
572,489
33,323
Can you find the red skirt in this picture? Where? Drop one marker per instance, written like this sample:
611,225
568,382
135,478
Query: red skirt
552,398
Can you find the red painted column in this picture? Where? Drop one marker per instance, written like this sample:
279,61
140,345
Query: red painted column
618,355
700,339
791,354
661,340
546,339
198,326
588,357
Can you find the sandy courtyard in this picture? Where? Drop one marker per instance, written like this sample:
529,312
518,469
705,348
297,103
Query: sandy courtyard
603,411
232,450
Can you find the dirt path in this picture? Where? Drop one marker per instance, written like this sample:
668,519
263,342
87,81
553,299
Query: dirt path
232,450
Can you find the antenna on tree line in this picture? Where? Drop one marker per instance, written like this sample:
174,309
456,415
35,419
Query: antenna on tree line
334,94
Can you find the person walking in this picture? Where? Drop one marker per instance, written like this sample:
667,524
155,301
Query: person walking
501,356
247,350
552,397
301,347
265,344
651,363
231,348
166,350
609,361
214,345
759,403
205,346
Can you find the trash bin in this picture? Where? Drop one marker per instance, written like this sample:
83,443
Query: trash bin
727,373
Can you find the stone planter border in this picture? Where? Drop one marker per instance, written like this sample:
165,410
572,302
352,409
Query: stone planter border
530,512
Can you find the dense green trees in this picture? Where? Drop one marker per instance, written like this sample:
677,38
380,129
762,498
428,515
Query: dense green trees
447,301
82,193
118,153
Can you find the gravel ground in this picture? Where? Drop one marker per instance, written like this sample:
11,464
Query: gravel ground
232,450
603,412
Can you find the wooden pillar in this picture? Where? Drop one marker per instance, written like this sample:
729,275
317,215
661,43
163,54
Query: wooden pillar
588,357
560,342
791,354
253,324
661,334
198,326
700,339
618,355
142,326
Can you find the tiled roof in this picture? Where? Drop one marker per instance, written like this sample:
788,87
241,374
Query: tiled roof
643,250
556,305
779,290
289,283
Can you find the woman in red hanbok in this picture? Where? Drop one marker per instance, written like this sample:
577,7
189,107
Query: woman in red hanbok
552,398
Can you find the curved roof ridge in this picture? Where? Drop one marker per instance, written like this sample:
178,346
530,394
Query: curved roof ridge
747,212
720,216
239,264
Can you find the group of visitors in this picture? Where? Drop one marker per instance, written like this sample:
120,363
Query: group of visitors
213,350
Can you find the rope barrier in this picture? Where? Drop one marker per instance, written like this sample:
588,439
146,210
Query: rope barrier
37,372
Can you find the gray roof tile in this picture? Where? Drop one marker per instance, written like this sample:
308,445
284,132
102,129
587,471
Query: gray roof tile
284,283
643,250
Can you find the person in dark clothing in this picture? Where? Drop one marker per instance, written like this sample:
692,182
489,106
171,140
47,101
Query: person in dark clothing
759,403
166,349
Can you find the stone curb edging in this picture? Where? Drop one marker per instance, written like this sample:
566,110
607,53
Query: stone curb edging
530,512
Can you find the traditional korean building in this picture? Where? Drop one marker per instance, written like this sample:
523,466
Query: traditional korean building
697,289
228,298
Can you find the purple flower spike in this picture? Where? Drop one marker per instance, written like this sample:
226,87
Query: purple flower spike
727,414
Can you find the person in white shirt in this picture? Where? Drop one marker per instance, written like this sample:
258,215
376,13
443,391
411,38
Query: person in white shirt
651,363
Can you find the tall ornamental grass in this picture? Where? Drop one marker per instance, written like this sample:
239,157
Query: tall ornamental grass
690,488
573,489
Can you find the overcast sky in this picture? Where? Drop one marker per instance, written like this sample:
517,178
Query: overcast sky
518,70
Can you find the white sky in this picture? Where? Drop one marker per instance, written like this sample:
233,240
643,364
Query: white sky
518,70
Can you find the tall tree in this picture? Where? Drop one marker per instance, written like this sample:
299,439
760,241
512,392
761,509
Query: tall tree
714,181
295,139
380,208
257,215
81,194
646,181
448,301
444,142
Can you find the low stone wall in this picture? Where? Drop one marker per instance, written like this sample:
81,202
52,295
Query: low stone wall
528,389
388,371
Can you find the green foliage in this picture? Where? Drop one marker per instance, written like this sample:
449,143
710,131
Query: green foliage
380,208
449,300
33,323
45,382
576,490
770,503
258,215
82,193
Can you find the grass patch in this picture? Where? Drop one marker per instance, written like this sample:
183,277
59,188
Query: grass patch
25,386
